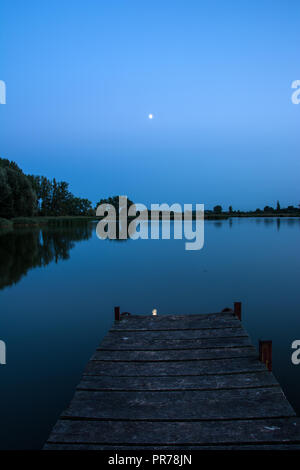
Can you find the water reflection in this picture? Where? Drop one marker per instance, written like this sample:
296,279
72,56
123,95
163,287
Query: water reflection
24,249
268,221
278,223
27,248
218,224
252,262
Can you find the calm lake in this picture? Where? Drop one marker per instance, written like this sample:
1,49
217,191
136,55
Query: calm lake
58,288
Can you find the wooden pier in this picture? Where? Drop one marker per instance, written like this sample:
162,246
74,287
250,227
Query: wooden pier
174,382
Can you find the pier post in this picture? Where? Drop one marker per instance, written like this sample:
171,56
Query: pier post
238,310
265,353
117,313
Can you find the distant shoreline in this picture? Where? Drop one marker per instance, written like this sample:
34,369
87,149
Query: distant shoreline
224,215
254,215
68,221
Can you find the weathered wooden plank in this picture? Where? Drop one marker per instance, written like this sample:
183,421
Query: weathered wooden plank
177,318
202,382
111,343
188,322
177,382
180,405
178,355
265,431
178,334
172,448
203,367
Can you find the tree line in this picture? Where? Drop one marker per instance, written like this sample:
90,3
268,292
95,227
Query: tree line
24,195
267,209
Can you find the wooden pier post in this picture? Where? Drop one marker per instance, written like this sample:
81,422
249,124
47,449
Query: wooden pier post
265,353
238,310
117,314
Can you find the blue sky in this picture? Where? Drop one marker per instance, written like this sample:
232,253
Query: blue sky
82,77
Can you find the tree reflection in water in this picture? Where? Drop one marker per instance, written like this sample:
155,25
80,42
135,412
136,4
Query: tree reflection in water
24,249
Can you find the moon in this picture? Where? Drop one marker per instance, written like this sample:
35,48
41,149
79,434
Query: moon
150,116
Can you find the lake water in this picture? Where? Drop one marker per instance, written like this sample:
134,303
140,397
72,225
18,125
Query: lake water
58,288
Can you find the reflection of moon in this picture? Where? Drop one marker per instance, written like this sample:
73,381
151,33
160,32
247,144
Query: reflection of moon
150,116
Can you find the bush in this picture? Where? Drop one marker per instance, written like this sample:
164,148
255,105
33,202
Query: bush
268,209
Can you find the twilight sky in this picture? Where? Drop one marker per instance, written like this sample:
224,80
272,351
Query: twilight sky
83,76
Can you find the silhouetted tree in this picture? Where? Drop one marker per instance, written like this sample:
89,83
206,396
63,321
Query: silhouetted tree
114,201
27,195
218,209
17,198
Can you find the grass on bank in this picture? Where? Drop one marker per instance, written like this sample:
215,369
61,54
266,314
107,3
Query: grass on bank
63,221
69,221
